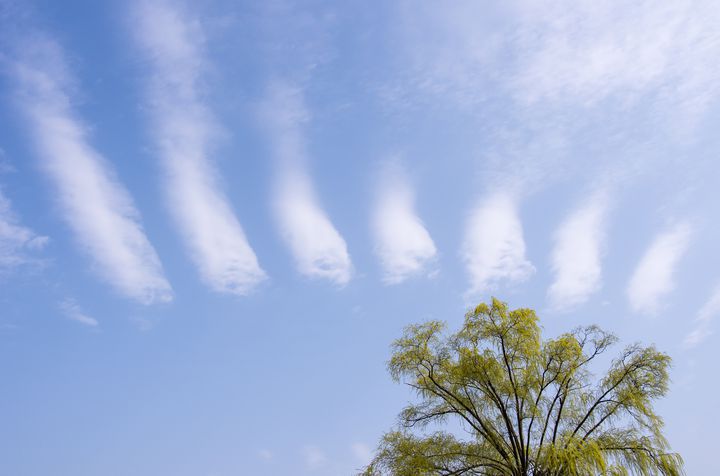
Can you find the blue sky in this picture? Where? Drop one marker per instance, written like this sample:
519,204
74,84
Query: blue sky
216,216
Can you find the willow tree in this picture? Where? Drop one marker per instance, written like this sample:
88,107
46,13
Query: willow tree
495,399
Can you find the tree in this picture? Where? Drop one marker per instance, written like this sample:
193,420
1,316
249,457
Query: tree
525,406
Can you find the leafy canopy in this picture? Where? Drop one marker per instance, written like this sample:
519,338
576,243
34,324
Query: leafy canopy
525,406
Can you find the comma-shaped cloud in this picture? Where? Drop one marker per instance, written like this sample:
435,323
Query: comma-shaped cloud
403,244
494,247
653,276
576,256
317,247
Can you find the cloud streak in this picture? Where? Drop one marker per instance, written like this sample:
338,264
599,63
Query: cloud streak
317,247
94,203
703,321
653,276
577,253
185,130
71,309
494,247
402,243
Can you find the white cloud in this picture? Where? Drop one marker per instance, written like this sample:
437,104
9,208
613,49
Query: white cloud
315,458
702,330
96,205
653,276
403,244
318,248
577,253
494,247
184,130
362,453
15,240
71,309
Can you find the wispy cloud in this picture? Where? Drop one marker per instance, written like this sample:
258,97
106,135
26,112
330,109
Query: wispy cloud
16,241
362,453
71,309
574,52
403,244
95,204
588,51
265,454
185,131
449,52
653,276
318,248
577,253
494,247
703,321
315,458
5,166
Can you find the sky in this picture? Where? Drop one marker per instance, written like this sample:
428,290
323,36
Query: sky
216,216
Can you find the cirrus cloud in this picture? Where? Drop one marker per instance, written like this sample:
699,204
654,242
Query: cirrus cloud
93,201
184,129
402,242
494,246
653,276
317,247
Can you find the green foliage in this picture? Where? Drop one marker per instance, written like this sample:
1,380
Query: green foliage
525,406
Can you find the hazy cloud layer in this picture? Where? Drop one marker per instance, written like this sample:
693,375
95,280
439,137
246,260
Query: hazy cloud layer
402,243
577,253
653,276
92,200
589,51
573,52
317,247
184,130
494,247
